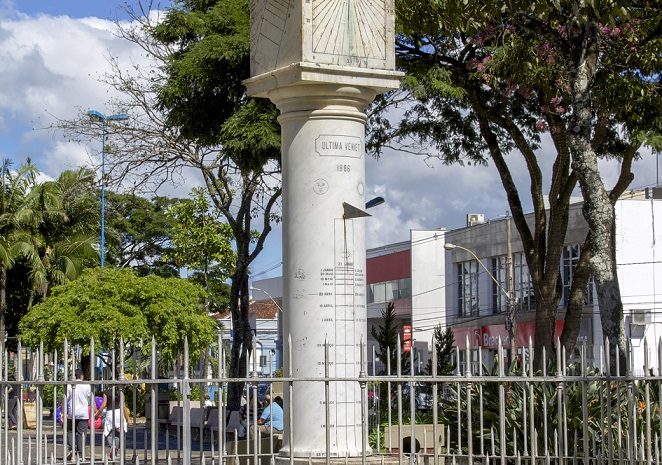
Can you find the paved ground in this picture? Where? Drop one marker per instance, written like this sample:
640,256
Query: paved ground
138,445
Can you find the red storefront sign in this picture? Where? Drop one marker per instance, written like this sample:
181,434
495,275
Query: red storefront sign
488,336
406,338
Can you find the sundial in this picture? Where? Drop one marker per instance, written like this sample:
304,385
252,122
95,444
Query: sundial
348,33
322,62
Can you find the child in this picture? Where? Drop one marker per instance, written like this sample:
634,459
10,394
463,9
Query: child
115,421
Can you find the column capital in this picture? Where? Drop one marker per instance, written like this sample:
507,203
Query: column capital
296,74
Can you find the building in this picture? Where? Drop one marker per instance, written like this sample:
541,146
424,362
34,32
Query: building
265,319
409,274
431,286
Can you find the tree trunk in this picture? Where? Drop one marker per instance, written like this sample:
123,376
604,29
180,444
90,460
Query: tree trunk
3,308
242,337
577,298
546,309
598,209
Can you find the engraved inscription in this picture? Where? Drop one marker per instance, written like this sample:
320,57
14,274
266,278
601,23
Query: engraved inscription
339,146
320,186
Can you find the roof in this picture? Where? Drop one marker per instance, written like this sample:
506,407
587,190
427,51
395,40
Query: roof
262,310
265,309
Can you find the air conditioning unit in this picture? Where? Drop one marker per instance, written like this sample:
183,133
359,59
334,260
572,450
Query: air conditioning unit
641,317
475,218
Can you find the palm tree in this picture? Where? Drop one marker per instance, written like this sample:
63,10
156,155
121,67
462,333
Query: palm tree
62,215
14,188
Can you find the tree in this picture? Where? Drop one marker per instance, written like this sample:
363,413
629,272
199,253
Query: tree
199,238
190,112
139,231
49,232
444,346
106,304
386,336
14,240
486,79
61,218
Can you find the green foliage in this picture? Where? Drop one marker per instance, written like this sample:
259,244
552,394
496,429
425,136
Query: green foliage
386,336
139,392
139,231
199,238
607,404
109,304
444,345
204,86
218,290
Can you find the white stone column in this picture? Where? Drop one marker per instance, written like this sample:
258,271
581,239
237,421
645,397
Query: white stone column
323,164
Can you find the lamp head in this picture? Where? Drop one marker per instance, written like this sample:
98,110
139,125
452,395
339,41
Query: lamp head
374,202
118,117
449,246
96,115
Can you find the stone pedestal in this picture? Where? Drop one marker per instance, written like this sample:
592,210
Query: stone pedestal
322,62
323,260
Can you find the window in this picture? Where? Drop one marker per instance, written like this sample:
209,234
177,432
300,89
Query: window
500,273
523,288
389,290
474,364
568,265
404,288
467,288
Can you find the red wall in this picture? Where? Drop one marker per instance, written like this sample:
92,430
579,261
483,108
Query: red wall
396,265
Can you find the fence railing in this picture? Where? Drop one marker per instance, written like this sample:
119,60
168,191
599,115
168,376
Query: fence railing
566,413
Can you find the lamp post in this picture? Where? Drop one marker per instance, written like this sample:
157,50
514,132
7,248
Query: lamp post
510,318
268,295
279,347
103,119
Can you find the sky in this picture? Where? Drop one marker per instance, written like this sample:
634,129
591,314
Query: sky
52,53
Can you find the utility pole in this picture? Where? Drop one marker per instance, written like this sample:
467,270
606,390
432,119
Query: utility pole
511,303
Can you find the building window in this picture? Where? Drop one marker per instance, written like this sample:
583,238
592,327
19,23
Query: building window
524,297
500,273
568,265
404,288
467,288
389,290
473,364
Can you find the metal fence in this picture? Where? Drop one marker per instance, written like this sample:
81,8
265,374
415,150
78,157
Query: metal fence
565,413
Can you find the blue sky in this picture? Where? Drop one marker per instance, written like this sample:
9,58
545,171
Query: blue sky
52,53
74,8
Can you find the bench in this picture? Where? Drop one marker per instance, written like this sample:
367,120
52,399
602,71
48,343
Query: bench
242,452
198,415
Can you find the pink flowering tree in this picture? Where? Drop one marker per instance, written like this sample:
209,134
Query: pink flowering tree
487,80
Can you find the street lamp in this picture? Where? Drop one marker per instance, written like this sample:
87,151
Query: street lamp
268,295
510,320
280,329
103,119
374,202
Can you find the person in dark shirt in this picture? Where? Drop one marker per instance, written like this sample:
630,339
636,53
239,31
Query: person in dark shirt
13,397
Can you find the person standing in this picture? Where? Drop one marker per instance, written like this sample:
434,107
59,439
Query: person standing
115,420
13,396
76,406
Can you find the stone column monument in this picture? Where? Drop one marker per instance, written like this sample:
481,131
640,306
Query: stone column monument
322,62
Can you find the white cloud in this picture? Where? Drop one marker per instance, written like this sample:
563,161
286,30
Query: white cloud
51,66
66,156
